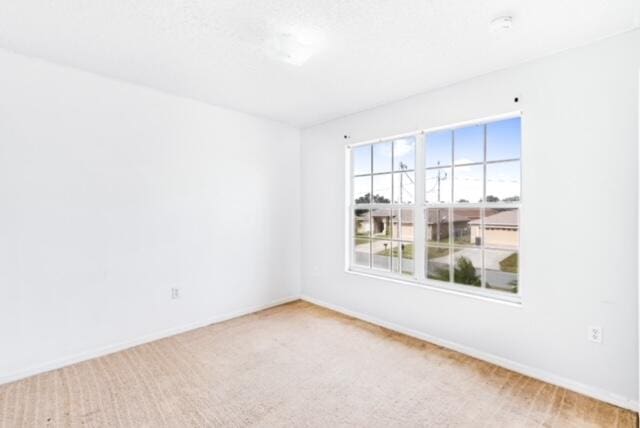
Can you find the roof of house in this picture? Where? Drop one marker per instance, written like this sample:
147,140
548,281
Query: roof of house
500,218
457,217
407,214
504,217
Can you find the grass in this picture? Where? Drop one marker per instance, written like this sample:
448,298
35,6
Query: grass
435,252
510,264
432,252
444,241
406,254
440,275
459,240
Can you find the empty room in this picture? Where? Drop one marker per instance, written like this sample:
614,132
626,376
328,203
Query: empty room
319,213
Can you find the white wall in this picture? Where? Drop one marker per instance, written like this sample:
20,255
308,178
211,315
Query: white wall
111,194
579,220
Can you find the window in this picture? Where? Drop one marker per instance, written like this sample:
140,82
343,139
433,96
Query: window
383,183
440,208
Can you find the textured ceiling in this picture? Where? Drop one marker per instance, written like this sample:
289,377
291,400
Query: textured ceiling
372,51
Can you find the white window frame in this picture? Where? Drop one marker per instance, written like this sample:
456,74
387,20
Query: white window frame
420,206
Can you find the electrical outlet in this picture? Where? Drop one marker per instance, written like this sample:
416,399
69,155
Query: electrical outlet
175,293
595,334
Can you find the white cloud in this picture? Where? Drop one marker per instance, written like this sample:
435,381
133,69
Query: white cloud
403,147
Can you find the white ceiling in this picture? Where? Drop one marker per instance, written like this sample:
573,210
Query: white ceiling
373,51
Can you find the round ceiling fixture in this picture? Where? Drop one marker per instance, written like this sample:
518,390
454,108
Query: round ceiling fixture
295,46
289,48
500,24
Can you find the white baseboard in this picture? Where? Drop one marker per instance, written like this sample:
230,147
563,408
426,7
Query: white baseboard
533,372
543,375
105,350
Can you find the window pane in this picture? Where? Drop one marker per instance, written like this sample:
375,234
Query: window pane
361,252
381,251
361,160
466,226
362,190
382,157
467,265
438,262
438,149
467,184
407,225
438,185
468,144
438,225
395,257
501,270
404,156
362,225
503,182
503,139
469,240
407,258
403,188
382,189
395,224
381,223
501,228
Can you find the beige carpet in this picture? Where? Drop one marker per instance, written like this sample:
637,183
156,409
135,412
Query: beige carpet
295,365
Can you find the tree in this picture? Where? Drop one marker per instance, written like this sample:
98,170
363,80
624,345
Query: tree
463,201
491,198
511,199
465,273
377,199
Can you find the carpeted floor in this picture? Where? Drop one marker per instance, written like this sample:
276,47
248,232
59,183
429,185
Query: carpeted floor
295,365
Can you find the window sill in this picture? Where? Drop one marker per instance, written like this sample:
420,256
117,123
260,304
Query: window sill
513,300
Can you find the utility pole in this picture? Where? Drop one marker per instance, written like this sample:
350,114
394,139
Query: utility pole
438,182
403,167
443,177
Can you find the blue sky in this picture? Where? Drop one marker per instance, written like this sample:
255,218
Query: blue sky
503,142
404,153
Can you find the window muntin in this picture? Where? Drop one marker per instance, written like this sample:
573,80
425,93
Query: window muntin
470,206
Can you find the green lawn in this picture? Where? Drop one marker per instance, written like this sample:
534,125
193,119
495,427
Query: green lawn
510,264
360,241
444,241
432,252
435,252
386,235
407,253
